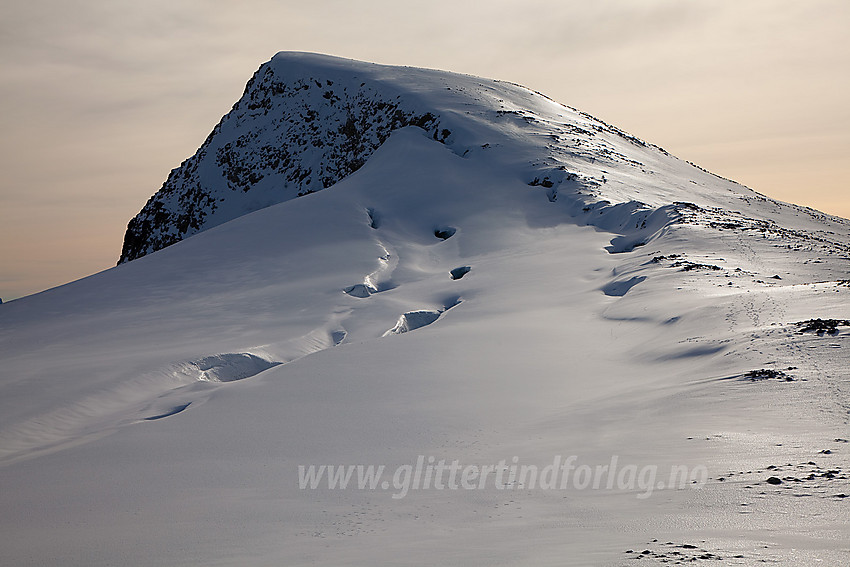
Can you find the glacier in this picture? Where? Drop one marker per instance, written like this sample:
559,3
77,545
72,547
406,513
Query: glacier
475,274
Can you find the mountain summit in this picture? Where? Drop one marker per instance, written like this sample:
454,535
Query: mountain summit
307,121
490,329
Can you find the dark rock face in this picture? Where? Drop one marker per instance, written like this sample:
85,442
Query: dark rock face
286,137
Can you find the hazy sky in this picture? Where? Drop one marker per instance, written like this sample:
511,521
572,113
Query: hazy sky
101,99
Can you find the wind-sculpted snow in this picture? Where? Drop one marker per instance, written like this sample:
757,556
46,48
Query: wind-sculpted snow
413,320
231,367
621,288
534,284
159,392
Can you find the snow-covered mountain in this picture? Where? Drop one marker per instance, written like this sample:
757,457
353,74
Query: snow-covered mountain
471,273
307,121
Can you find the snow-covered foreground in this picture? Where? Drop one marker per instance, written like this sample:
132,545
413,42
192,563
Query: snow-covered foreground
439,305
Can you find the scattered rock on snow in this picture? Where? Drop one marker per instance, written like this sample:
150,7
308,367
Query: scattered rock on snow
822,326
767,374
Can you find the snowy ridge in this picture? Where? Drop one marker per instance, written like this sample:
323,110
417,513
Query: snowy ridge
307,121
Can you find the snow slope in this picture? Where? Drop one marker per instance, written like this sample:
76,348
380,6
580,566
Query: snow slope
534,284
307,121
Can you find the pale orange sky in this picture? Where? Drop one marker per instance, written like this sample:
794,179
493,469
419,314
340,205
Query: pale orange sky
100,100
